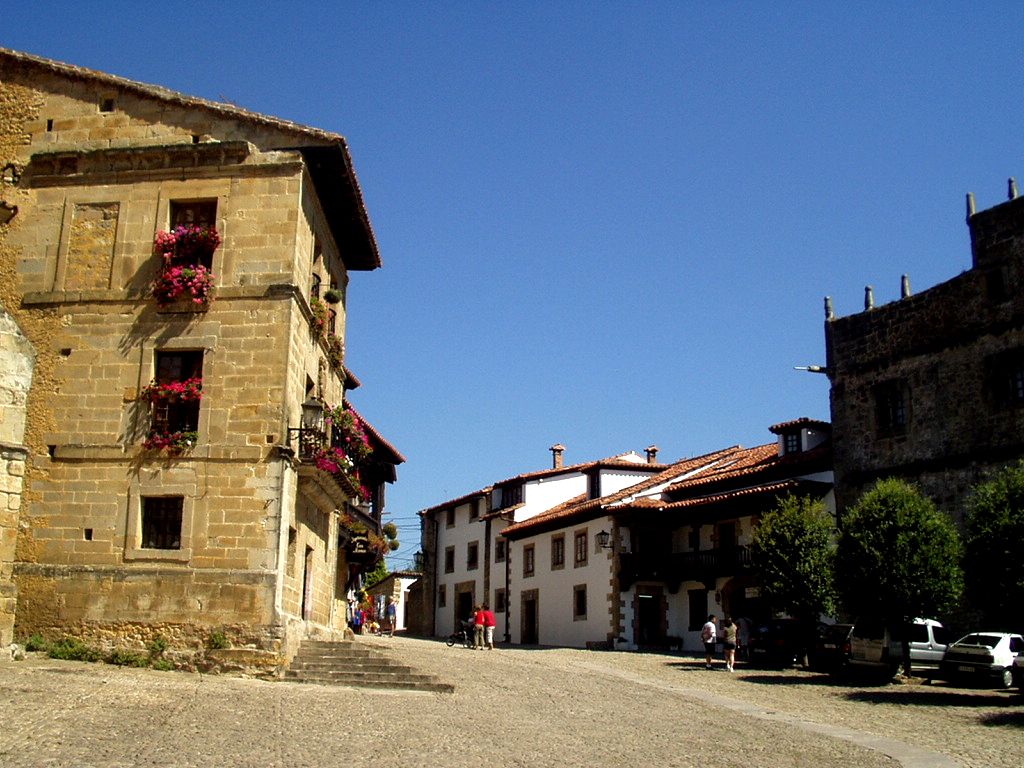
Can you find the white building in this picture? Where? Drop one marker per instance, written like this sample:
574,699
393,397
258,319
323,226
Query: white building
619,551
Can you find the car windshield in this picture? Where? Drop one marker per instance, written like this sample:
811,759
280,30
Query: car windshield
978,639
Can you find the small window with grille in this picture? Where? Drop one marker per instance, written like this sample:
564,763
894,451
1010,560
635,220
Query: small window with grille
161,522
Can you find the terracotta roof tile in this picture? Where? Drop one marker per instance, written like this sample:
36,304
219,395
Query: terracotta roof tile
803,421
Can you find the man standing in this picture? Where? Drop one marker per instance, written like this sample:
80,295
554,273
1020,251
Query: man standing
392,613
489,623
708,636
478,627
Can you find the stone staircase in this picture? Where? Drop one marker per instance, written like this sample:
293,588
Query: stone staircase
350,663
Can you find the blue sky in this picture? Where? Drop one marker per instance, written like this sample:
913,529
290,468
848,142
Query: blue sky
605,225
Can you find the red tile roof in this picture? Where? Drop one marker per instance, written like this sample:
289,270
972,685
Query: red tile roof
803,421
581,506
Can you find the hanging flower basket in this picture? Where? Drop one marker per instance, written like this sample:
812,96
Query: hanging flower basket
173,442
174,391
185,253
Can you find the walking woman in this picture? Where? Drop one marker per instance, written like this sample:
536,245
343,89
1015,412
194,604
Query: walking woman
729,634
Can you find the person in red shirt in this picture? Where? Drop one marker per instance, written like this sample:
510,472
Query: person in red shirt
478,628
489,623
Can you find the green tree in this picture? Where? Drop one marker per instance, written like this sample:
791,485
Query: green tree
378,574
994,548
793,555
898,557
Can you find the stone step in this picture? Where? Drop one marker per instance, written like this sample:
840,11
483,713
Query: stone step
360,682
372,666
346,663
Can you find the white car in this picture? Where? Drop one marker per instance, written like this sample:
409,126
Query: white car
987,655
1018,672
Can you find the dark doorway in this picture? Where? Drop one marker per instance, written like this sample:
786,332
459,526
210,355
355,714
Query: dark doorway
307,585
650,627
463,607
530,632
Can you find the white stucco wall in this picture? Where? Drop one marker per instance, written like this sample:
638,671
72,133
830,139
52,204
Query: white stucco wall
555,588
458,536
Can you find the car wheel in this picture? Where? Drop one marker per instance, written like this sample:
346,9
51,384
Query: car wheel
1005,679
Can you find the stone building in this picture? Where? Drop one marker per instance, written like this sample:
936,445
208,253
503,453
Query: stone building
17,359
930,388
181,268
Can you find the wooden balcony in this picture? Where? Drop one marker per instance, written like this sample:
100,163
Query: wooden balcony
676,567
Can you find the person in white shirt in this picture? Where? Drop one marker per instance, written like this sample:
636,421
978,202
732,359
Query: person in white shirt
708,636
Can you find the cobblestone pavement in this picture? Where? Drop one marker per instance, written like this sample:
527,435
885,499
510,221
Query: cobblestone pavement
512,707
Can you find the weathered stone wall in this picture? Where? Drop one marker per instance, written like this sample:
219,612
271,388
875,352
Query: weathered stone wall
941,345
75,266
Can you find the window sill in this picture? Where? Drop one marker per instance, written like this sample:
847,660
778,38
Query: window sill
182,555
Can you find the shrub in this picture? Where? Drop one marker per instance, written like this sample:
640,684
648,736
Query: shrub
163,665
36,643
157,646
73,649
125,658
218,641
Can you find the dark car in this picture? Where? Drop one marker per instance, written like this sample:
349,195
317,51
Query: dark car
779,642
831,651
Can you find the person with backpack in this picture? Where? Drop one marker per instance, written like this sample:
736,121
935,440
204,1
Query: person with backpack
708,636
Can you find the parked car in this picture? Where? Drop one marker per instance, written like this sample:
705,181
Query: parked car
778,642
876,646
1017,672
987,656
831,651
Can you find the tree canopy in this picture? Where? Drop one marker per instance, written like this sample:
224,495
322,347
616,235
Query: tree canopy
898,557
793,553
994,548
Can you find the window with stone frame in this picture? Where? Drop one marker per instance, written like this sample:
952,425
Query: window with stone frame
198,213
1006,379
472,555
557,552
449,559
173,415
579,602
442,596
499,600
161,522
449,518
892,408
314,287
528,562
580,549
499,550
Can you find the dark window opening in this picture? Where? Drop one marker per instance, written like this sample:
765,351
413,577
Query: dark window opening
557,551
449,517
1006,377
49,125
314,289
161,522
528,560
499,551
474,510
88,534
107,105
170,415
892,408
580,549
579,601
694,539
472,556
195,213
442,596
499,601
449,559
698,600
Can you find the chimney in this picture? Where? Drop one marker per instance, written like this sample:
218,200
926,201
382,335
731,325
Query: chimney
652,454
556,456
